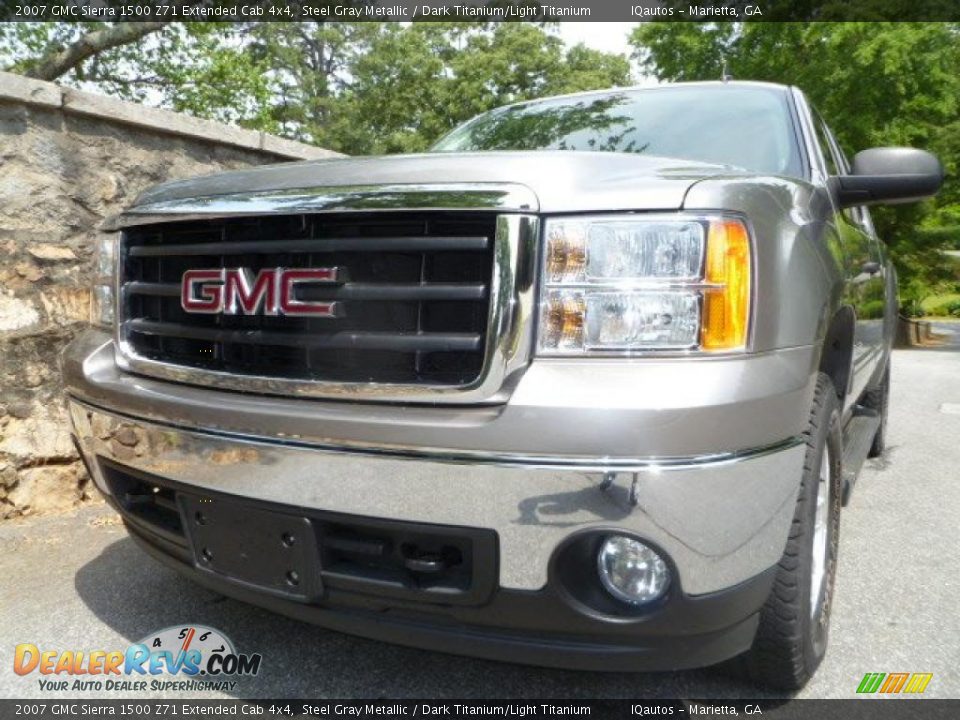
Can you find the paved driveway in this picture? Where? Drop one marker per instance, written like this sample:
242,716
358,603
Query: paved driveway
77,582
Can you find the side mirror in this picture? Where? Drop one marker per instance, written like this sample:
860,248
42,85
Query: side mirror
890,175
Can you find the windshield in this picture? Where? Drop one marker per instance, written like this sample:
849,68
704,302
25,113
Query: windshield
745,126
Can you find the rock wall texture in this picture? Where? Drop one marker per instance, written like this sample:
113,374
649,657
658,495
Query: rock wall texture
67,160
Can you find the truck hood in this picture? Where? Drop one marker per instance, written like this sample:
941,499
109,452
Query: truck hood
562,181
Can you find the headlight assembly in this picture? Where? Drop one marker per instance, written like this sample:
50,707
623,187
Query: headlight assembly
636,283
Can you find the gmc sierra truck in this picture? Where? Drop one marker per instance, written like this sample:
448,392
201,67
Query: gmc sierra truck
584,386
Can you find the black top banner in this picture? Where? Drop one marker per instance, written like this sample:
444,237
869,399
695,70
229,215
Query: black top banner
479,10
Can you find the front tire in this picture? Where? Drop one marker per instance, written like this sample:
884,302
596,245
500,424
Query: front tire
791,639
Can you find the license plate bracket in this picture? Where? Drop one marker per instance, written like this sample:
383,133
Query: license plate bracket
270,551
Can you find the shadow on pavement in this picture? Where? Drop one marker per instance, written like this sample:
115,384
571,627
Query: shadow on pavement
135,595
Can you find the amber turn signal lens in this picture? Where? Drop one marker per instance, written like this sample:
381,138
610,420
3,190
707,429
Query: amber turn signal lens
726,305
563,320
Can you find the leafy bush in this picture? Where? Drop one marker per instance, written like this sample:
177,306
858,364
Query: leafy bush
912,309
872,309
947,309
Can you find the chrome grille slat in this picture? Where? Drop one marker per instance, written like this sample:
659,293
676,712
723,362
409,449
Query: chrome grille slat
401,342
349,244
350,291
137,287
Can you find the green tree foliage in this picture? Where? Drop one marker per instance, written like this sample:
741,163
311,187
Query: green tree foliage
204,69
354,87
59,58
419,81
308,67
875,83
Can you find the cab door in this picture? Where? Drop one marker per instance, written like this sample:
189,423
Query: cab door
866,277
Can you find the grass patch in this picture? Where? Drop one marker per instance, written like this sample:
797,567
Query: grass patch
936,301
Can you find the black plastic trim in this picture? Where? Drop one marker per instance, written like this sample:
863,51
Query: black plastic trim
479,546
624,652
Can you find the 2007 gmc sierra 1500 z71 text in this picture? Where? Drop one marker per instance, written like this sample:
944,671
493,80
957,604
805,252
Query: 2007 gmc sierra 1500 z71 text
584,386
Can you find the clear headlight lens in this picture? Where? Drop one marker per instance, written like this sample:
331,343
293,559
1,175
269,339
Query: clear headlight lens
102,300
581,250
645,283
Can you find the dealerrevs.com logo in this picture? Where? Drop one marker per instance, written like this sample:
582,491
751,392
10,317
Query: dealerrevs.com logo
190,658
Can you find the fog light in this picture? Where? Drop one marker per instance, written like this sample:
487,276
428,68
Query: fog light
631,571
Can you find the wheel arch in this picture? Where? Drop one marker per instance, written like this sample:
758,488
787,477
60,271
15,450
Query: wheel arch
836,357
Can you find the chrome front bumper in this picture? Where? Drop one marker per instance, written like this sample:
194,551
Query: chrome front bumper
721,522
550,462
529,475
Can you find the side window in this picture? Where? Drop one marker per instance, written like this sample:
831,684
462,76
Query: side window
857,214
834,167
866,220
838,165
837,151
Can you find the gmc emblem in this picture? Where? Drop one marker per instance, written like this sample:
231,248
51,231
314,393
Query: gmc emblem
235,291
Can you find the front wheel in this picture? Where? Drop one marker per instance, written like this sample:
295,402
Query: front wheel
791,638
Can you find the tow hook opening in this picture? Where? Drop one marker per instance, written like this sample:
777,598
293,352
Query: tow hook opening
429,562
439,563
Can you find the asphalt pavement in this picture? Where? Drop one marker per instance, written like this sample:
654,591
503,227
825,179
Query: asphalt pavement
77,582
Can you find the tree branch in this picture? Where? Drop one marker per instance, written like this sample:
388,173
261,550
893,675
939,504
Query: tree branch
59,61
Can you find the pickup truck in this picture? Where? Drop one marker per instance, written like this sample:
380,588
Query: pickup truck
584,386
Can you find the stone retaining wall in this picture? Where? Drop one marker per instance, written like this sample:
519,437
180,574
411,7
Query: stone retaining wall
67,160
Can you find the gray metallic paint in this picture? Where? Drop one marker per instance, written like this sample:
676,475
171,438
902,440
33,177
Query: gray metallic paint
561,181
566,409
872,341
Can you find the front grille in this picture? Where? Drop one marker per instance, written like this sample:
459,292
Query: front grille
414,301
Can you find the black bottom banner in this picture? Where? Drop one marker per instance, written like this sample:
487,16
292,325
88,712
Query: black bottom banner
868,709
